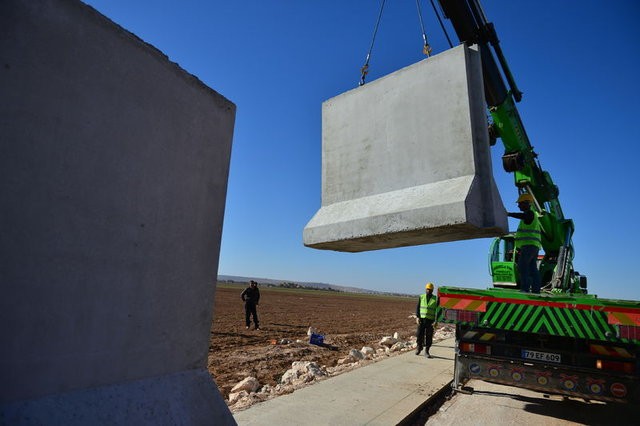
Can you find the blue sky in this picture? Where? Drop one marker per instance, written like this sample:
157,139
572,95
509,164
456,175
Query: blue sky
576,61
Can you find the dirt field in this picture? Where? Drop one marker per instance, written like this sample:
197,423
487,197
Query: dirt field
348,321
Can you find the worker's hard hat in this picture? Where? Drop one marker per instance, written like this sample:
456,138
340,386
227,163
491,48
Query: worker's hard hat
429,286
525,197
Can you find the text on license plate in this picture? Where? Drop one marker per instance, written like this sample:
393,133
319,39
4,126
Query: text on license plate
540,356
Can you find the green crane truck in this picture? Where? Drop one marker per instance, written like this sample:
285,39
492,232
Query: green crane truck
563,340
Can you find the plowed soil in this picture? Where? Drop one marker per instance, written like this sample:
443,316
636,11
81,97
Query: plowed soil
348,321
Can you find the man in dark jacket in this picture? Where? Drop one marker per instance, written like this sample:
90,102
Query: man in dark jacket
251,297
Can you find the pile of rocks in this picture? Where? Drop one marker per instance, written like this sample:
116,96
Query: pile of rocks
302,373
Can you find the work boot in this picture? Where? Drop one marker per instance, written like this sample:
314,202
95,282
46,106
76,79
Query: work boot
418,350
427,354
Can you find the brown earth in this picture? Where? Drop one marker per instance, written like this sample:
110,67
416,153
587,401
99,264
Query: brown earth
347,320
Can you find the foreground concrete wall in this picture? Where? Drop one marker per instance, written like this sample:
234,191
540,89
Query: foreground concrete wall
113,177
406,161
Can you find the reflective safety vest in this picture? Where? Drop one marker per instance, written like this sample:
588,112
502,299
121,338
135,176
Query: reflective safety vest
428,308
531,234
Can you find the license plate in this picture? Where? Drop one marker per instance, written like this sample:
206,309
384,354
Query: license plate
540,356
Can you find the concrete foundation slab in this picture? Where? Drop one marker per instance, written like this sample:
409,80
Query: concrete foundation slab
383,393
406,161
167,400
113,178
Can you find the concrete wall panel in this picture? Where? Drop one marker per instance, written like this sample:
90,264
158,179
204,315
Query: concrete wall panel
406,161
113,177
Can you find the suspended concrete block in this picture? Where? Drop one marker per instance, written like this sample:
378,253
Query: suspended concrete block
406,161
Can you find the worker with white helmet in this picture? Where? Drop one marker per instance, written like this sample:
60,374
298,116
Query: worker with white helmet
426,317
528,242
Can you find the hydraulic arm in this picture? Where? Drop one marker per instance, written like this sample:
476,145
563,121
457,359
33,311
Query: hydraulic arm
472,27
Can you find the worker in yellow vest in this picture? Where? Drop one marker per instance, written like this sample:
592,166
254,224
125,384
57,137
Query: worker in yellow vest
426,317
528,243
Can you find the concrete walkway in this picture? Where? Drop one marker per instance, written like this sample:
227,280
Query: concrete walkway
382,393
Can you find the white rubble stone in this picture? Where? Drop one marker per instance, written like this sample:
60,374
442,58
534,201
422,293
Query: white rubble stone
266,389
302,366
236,396
249,384
367,351
285,341
314,370
388,341
396,335
311,331
300,341
289,376
356,354
396,347
301,371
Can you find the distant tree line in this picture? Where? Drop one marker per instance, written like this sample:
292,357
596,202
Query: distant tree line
284,284
291,284
296,285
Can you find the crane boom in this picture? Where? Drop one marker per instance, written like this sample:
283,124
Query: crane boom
472,27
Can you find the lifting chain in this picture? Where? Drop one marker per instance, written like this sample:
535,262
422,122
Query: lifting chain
426,48
365,68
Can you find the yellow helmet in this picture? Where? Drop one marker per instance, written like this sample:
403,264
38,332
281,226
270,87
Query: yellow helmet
429,286
525,197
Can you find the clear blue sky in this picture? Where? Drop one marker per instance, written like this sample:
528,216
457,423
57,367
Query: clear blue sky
577,63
